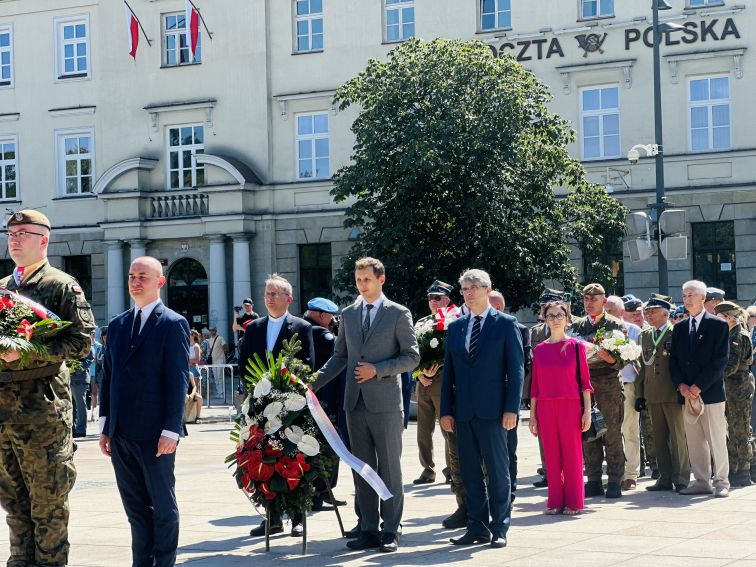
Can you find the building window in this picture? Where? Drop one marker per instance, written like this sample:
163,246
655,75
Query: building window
6,56
714,255
709,102
9,169
73,48
183,143
600,122
315,273
80,267
700,3
606,267
175,43
400,19
309,25
495,15
76,161
312,146
597,8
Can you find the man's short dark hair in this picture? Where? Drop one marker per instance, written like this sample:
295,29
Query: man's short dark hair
375,265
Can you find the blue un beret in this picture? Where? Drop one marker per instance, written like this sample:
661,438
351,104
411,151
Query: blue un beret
323,304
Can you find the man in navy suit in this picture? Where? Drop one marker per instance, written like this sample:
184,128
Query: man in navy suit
700,347
141,410
484,373
265,335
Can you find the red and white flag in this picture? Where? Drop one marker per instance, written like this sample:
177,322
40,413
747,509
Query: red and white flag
192,27
132,27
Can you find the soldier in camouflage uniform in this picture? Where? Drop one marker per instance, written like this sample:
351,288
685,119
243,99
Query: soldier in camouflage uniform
739,388
36,448
607,391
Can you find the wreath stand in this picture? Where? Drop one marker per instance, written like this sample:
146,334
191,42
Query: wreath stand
304,520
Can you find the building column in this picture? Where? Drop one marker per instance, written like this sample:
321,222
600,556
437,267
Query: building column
216,286
138,248
116,279
242,281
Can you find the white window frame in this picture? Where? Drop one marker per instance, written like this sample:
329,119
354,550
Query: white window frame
7,28
60,42
180,36
598,15
312,139
709,104
3,163
600,113
497,9
400,6
60,158
181,148
308,18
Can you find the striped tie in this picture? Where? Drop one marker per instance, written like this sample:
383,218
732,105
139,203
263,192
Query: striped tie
474,335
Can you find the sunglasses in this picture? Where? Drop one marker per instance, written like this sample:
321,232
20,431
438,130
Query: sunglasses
434,297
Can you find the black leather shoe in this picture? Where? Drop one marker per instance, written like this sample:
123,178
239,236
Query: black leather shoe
679,487
424,480
543,483
296,530
334,501
613,490
657,486
389,543
354,533
365,541
594,488
259,531
541,471
655,474
457,520
499,541
318,506
471,538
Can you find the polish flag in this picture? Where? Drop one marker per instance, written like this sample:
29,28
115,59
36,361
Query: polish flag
192,27
133,28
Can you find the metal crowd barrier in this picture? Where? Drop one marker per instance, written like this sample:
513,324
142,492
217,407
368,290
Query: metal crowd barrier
207,376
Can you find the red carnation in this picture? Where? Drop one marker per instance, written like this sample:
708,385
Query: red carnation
25,330
5,303
440,325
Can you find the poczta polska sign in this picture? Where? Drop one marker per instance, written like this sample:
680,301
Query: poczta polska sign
691,33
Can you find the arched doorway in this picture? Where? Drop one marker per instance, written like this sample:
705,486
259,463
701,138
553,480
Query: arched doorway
187,292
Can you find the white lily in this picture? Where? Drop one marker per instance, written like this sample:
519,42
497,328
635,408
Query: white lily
294,434
295,402
262,388
309,445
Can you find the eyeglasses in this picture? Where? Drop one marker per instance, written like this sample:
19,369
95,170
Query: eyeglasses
469,290
434,297
557,317
679,317
22,234
274,294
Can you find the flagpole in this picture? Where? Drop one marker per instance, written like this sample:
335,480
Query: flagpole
209,34
144,33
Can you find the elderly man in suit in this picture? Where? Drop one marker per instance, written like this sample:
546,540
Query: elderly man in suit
697,364
141,411
484,366
376,343
266,335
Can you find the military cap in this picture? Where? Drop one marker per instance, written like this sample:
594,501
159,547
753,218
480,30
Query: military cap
248,301
29,216
658,300
693,409
594,289
714,293
549,295
680,310
440,287
323,304
631,302
728,308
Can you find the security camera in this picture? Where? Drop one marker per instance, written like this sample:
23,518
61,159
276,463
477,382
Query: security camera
633,156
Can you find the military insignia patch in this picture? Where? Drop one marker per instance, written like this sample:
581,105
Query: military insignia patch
19,216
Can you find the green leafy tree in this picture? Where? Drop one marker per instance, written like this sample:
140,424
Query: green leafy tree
455,164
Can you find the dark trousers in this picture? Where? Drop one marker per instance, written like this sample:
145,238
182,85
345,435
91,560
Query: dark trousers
147,487
79,398
485,441
512,450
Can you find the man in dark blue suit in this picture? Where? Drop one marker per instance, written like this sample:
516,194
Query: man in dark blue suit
700,347
265,335
141,410
484,373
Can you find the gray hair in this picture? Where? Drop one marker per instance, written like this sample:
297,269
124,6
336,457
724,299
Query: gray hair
497,293
206,333
475,276
696,286
280,282
616,301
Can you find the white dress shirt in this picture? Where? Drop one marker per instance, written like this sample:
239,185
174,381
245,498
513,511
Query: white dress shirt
274,329
698,319
472,322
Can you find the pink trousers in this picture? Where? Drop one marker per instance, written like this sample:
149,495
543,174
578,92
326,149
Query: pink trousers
559,429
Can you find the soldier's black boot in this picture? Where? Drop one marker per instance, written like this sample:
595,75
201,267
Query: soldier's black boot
613,490
742,478
457,520
594,488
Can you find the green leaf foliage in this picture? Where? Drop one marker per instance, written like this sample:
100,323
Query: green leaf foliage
455,164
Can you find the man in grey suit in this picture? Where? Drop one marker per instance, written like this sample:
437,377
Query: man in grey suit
376,343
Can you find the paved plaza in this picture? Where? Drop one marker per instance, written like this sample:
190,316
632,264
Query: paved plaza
640,529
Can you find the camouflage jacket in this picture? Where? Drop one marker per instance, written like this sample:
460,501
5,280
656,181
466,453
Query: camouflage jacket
741,354
583,328
48,399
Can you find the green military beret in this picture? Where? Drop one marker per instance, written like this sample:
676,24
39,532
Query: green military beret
29,216
728,308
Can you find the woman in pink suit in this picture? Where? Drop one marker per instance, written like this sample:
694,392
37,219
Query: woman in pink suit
556,413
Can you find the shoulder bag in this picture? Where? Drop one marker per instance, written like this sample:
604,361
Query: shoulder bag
598,423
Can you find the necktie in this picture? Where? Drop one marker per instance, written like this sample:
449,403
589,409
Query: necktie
692,336
136,327
366,321
474,335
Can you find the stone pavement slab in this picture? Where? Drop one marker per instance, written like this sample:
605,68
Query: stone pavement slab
642,528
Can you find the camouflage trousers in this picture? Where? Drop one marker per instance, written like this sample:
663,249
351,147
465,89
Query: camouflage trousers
738,413
452,457
607,392
648,449
36,475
